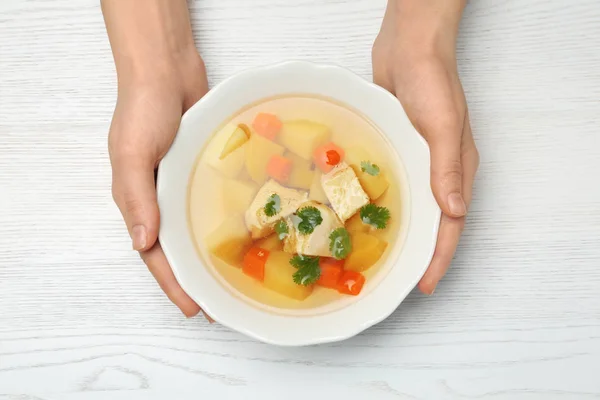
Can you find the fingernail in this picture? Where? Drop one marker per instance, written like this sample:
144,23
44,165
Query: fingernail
138,237
208,318
432,291
457,204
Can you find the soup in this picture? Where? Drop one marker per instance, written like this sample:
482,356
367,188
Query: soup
295,202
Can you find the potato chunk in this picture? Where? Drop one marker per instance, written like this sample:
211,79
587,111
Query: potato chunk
302,137
301,177
356,154
355,224
230,241
278,277
297,160
366,251
302,173
271,243
316,189
258,154
374,186
238,195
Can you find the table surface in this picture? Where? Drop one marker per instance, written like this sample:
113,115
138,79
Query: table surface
518,316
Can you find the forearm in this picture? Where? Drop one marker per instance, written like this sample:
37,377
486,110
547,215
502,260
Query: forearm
427,24
147,36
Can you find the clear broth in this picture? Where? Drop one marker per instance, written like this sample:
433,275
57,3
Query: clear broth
206,210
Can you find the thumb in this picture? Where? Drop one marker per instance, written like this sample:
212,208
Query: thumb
134,192
446,173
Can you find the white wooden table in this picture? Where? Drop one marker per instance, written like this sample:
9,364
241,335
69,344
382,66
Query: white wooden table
518,316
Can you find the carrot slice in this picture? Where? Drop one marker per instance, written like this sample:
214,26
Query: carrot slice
331,271
279,168
267,125
328,156
351,283
254,263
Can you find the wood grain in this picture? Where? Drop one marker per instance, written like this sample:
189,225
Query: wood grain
518,316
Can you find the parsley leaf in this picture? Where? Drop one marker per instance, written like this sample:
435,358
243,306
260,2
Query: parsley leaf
281,229
340,244
371,169
310,218
273,205
308,269
374,215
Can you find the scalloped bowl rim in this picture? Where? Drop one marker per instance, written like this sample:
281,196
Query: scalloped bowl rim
249,86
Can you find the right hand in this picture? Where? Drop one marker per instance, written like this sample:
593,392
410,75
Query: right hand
414,58
147,115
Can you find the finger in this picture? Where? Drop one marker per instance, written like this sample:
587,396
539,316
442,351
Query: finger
381,78
161,270
451,228
448,237
135,194
444,138
470,162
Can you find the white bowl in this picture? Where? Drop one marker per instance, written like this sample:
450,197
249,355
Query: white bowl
405,264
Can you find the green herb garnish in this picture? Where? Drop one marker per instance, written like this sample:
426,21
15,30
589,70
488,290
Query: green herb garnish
273,205
371,169
308,269
310,218
340,244
281,228
374,215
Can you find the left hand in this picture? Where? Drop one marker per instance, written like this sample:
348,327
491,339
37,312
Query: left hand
414,58
148,112
160,75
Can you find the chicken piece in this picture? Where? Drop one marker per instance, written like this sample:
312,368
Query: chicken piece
259,224
316,243
342,188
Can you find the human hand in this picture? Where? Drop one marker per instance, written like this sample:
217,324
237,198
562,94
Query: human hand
144,124
160,76
414,58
